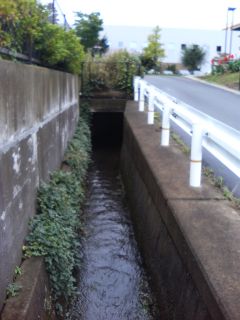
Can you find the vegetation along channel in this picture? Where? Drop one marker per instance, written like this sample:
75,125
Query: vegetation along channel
112,281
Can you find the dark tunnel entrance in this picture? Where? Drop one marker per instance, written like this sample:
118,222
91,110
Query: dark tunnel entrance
107,129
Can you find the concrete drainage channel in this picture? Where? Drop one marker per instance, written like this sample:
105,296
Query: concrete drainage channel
188,237
112,282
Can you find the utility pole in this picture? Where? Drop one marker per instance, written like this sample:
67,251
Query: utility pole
230,46
53,12
226,35
65,22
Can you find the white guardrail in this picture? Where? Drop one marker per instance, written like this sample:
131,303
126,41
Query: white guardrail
222,141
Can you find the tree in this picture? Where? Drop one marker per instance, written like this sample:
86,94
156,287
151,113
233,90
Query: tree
32,17
20,23
153,53
193,57
25,28
60,48
88,27
75,53
8,19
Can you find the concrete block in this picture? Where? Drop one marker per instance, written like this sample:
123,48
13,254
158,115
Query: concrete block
189,236
34,300
106,105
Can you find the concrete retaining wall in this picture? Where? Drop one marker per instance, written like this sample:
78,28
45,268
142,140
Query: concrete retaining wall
38,115
106,105
34,299
189,237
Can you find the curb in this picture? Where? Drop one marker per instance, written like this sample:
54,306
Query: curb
214,85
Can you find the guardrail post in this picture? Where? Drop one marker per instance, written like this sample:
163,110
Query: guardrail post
141,97
196,156
165,130
136,88
151,97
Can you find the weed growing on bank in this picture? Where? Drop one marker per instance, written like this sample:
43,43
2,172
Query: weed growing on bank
218,182
54,231
185,149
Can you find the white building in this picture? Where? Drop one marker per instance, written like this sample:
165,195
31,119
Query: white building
174,41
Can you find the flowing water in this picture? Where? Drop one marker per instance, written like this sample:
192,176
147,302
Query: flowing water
112,282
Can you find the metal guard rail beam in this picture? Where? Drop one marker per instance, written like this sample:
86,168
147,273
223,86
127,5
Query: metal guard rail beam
222,141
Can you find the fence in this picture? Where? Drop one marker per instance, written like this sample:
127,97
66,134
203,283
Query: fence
222,141
19,56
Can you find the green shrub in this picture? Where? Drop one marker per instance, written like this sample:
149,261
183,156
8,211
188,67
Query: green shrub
218,69
172,67
127,66
24,28
21,24
54,231
75,52
113,71
60,48
192,57
234,66
51,44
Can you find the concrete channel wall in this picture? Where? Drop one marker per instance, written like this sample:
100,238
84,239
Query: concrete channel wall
38,115
189,237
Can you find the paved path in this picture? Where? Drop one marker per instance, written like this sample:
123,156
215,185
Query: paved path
218,103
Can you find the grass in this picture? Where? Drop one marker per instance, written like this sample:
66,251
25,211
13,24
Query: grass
230,80
185,149
218,182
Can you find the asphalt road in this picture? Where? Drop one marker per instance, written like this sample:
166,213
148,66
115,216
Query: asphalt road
216,102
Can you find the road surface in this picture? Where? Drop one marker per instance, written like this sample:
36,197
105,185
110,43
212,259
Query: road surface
218,103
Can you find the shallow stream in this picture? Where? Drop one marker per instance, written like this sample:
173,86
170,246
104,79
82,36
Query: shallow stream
112,282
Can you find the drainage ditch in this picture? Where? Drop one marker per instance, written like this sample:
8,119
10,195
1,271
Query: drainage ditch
112,282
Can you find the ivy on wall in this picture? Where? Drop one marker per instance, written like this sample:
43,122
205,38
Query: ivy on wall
55,230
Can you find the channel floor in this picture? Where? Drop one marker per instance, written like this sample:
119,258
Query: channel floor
113,284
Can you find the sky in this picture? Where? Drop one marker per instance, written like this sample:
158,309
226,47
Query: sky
190,14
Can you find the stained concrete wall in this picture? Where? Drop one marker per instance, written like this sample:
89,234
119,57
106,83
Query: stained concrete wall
34,299
38,115
189,237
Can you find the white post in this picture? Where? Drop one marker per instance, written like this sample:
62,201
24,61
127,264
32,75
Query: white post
196,156
141,97
165,132
136,88
151,97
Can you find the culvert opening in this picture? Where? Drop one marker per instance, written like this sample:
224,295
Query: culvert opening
107,129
